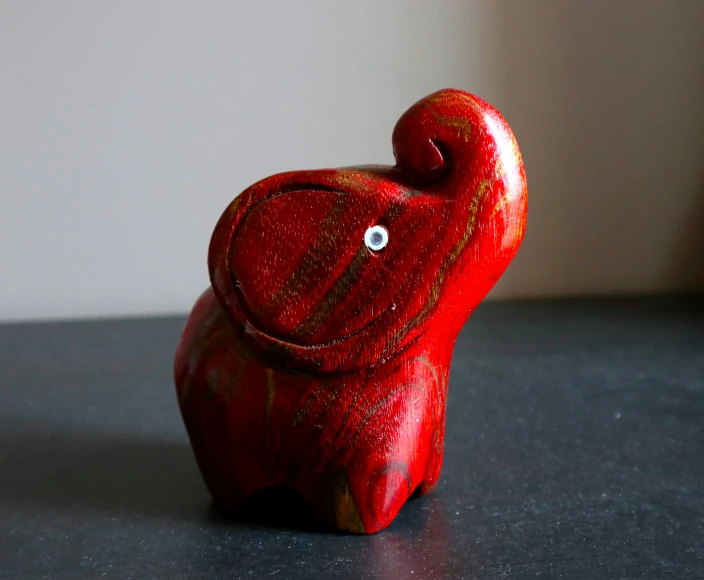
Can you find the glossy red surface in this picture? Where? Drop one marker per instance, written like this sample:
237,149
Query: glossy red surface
318,363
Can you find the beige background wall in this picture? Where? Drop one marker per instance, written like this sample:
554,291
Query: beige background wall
126,128
607,101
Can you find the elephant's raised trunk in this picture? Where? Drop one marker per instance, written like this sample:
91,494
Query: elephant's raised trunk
457,145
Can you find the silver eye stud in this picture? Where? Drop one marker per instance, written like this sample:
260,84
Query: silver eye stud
376,238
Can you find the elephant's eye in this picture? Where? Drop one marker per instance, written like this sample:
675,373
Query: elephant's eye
376,238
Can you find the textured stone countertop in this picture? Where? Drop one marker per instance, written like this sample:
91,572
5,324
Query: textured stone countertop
574,449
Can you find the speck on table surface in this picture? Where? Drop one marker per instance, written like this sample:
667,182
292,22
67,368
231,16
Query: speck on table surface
574,449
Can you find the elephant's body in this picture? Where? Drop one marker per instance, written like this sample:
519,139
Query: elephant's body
354,445
317,362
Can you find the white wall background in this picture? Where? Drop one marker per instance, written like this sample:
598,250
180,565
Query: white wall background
127,127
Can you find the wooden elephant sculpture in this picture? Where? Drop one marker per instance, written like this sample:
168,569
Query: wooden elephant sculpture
319,357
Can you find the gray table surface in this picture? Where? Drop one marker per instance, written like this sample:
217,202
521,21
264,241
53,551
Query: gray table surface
574,449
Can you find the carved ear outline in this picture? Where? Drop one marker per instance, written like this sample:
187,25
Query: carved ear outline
337,356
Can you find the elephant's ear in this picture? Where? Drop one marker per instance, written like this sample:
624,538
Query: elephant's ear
265,234
222,238
219,250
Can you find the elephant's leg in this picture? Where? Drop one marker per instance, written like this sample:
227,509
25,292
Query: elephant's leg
223,399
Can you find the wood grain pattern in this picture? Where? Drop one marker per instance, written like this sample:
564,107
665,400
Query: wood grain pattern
315,362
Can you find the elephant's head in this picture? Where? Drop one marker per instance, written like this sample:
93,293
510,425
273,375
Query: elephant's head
337,269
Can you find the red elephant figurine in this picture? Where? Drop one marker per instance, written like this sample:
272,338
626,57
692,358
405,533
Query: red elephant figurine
319,357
